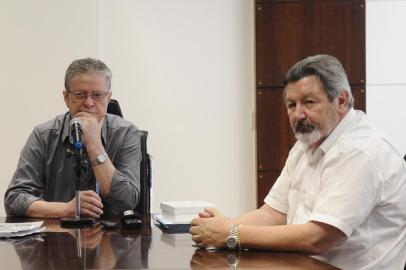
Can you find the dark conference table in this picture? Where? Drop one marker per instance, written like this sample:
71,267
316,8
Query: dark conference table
144,248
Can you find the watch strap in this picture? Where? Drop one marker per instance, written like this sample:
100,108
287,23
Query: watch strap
235,233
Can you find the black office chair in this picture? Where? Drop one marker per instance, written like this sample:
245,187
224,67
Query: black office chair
114,108
144,205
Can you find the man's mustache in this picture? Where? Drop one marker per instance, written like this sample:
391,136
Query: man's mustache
304,126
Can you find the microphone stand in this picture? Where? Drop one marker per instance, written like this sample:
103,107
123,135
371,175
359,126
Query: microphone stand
81,168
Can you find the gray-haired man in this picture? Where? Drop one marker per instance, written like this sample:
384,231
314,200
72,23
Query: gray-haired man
43,184
341,194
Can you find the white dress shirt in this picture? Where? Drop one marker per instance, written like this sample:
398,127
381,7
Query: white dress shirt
356,182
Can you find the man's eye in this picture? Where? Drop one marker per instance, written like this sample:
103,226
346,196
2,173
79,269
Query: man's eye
97,95
291,105
80,94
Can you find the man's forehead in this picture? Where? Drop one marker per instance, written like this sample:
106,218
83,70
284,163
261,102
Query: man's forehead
88,78
309,85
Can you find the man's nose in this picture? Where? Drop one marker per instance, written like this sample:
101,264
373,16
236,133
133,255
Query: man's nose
300,111
89,101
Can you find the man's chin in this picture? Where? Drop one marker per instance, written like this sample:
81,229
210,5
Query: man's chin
308,139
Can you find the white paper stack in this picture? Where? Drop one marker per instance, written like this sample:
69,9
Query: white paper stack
182,212
8,230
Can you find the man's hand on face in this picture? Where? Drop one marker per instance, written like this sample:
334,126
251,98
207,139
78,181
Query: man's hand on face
90,204
211,230
91,126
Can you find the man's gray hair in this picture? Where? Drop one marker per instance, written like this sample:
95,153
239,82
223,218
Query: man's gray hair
88,65
329,71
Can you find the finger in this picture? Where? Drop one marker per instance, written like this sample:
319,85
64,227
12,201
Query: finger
91,200
84,115
91,193
89,213
205,214
91,204
196,238
212,211
91,207
195,221
192,230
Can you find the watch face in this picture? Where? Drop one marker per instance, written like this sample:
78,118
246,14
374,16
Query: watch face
101,158
232,242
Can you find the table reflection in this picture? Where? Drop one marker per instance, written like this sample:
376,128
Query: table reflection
98,248
204,259
61,248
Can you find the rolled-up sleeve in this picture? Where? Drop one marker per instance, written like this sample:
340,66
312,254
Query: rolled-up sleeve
125,186
27,183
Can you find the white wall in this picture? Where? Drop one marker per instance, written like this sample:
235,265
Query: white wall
39,40
386,78
183,70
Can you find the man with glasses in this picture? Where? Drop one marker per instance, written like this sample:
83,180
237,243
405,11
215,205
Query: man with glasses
43,184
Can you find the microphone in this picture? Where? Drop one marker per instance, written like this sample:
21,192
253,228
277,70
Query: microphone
76,133
75,138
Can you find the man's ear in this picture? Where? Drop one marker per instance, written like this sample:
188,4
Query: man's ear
65,97
343,99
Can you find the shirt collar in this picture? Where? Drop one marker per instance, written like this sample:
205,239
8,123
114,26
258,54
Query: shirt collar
337,131
326,145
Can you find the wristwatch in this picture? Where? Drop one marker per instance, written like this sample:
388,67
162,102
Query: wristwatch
100,159
233,240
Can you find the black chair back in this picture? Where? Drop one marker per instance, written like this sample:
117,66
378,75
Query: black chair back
144,205
114,108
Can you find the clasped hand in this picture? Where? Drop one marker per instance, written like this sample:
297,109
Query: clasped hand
90,204
210,229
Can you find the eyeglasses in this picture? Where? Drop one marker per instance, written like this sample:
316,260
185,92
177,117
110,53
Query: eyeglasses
97,96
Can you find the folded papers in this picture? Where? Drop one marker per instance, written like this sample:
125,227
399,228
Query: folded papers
177,215
169,227
8,230
184,207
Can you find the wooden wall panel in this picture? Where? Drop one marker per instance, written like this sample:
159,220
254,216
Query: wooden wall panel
265,182
287,31
274,136
359,94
